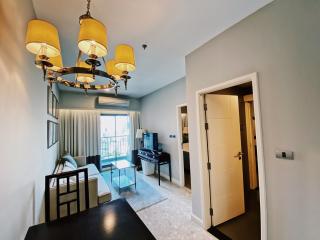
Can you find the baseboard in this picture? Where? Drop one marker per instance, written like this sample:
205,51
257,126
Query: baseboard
166,176
197,220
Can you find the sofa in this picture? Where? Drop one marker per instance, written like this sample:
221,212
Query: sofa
99,191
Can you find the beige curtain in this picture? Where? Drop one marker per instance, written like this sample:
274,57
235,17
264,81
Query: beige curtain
80,132
134,118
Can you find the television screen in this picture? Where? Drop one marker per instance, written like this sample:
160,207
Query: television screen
150,141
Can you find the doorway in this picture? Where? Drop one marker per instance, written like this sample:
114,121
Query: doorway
183,146
231,157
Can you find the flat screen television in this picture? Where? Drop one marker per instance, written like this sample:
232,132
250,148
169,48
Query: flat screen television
150,141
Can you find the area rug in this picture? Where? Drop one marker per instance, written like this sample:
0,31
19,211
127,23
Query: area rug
143,197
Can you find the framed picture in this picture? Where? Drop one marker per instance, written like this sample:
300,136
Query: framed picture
52,133
52,104
56,107
49,101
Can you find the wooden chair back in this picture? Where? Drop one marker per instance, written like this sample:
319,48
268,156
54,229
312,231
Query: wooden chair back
75,192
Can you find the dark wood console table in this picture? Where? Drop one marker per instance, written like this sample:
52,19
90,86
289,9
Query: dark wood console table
158,158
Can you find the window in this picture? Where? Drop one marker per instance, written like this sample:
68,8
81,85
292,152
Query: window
114,138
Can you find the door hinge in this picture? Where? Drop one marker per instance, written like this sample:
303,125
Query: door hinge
209,165
206,126
205,107
211,211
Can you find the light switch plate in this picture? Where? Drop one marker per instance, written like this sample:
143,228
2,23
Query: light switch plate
287,155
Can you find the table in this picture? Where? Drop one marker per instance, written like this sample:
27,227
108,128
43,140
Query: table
123,181
158,158
115,220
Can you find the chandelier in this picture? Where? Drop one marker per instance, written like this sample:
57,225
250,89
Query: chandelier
42,39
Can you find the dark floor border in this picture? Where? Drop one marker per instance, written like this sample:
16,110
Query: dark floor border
218,234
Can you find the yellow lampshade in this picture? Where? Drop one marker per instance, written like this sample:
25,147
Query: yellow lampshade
112,70
55,61
92,38
42,38
124,56
83,77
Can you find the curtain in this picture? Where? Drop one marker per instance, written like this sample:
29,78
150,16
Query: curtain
80,132
134,118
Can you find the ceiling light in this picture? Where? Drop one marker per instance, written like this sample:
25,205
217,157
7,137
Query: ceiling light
42,39
56,62
112,70
83,77
92,38
125,58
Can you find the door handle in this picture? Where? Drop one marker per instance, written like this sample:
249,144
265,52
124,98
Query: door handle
239,155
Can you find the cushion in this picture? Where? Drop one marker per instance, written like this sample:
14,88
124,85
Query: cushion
67,169
69,158
92,169
104,194
81,160
69,165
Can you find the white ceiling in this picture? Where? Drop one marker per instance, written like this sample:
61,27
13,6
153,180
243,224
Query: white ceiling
171,28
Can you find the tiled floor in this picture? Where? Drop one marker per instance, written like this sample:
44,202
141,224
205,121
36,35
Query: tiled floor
171,219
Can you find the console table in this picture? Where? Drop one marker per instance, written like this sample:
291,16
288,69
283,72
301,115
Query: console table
158,158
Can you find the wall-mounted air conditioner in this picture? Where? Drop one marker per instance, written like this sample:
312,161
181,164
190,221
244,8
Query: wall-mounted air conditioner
115,102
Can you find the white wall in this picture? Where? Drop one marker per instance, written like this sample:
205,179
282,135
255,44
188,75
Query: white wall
79,100
158,114
25,159
282,43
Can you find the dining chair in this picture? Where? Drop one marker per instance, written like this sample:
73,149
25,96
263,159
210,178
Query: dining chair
69,182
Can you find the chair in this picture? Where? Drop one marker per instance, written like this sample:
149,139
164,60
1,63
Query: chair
70,195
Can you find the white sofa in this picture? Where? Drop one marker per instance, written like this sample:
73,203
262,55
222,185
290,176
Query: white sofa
99,191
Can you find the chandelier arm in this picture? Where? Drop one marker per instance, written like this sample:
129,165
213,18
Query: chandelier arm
44,71
84,86
78,59
75,70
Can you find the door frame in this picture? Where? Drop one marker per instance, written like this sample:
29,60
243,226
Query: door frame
252,160
202,151
179,142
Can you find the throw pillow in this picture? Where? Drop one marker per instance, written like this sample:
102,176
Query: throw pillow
70,159
69,165
67,169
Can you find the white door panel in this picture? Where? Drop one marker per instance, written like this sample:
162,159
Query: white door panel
224,143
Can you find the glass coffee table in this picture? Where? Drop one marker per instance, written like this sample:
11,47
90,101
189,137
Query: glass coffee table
123,179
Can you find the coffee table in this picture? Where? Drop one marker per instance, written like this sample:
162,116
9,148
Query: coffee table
123,180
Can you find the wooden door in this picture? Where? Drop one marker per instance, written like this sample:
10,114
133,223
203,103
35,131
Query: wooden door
224,142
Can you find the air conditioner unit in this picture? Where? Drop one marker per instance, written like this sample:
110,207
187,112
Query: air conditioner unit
115,102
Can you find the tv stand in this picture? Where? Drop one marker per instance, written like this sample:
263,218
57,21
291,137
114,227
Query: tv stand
158,158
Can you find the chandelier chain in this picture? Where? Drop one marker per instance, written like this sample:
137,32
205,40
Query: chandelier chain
88,6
